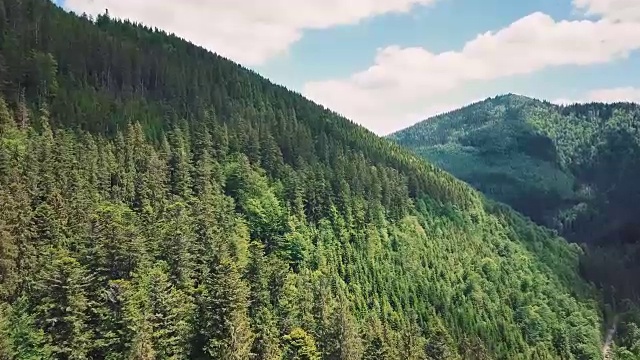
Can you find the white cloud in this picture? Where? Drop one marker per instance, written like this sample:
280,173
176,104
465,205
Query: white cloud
390,121
623,94
247,31
620,10
404,80
564,101
620,94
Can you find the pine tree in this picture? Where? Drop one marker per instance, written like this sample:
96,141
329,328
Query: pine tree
224,331
159,314
300,346
19,336
114,246
7,122
376,346
177,247
61,305
266,343
203,167
9,225
439,344
179,166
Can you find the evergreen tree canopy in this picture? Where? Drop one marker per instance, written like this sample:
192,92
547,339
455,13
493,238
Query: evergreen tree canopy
159,201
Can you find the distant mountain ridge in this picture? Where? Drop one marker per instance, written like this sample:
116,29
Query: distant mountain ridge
553,163
571,168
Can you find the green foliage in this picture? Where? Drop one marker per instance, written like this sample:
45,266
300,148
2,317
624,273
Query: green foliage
21,339
300,346
61,305
159,314
168,203
572,168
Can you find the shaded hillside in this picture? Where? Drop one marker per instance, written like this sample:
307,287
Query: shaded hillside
158,201
571,168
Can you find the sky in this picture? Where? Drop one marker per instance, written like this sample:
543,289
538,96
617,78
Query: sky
387,64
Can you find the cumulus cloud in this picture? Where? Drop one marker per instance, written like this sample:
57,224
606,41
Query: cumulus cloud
618,10
424,112
247,31
403,80
619,94
625,94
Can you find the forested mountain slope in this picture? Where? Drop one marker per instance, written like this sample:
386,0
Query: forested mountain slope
160,202
573,168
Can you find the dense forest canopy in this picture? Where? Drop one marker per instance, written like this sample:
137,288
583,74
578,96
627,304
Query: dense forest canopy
572,168
160,202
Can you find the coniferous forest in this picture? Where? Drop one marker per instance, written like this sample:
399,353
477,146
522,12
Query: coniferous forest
160,202
571,168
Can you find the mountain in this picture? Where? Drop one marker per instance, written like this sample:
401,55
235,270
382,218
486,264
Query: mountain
159,201
571,168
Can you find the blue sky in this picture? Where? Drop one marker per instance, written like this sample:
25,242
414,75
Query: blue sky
389,63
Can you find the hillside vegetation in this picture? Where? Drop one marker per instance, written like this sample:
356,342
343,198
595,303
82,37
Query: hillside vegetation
160,202
571,168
